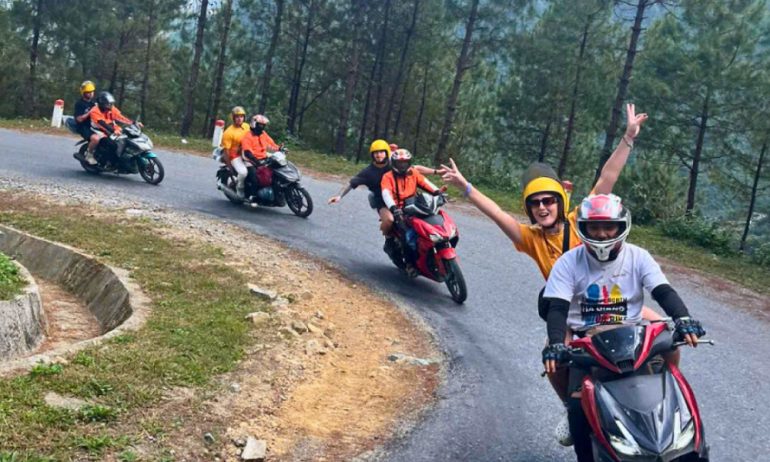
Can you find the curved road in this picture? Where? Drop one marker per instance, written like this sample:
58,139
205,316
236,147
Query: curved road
494,405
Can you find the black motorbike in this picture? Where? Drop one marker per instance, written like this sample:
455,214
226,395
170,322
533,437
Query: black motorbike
282,188
127,153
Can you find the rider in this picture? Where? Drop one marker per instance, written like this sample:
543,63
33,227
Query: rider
398,185
103,120
254,146
553,229
83,108
371,177
231,144
603,283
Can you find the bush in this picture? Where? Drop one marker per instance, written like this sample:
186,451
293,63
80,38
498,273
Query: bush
760,254
699,231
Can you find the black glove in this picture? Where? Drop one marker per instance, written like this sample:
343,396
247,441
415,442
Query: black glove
398,214
686,325
557,352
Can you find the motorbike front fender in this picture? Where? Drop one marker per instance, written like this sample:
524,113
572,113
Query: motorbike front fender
149,155
446,253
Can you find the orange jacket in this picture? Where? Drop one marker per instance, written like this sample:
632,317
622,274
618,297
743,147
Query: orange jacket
258,144
402,187
105,121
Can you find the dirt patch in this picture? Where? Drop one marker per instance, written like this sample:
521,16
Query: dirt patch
69,320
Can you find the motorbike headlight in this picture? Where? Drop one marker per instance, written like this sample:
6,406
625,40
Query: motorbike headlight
452,232
436,238
625,444
683,438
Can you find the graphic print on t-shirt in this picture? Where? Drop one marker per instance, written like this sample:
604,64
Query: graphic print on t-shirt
600,305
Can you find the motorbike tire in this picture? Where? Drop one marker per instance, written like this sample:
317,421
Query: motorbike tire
455,281
152,172
299,201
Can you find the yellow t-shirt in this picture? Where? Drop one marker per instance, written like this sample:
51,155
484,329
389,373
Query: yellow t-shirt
231,139
544,248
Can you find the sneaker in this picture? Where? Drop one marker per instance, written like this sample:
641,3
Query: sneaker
562,431
90,159
411,271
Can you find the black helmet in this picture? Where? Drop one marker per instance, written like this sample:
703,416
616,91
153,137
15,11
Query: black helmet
105,100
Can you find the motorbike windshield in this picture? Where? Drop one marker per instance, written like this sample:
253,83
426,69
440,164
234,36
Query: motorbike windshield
620,345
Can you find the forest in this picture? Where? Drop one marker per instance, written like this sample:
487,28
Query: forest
493,84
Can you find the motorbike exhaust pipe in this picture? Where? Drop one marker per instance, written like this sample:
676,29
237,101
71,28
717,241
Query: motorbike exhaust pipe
228,192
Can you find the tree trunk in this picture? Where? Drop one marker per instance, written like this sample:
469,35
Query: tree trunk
698,154
297,81
544,141
401,64
400,111
351,82
451,105
573,104
753,199
365,116
33,56
218,79
382,45
421,111
115,77
270,54
148,52
612,128
192,82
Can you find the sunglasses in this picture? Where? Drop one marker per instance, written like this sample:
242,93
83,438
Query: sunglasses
546,201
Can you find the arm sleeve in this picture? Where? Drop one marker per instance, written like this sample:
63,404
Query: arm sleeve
670,301
424,183
556,319
525,244
387,186
270,143
227,140
117,115
558,293
358,180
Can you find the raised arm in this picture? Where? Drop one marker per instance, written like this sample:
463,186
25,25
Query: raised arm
509,225
616,162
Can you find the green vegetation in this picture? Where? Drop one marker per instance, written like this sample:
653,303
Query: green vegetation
195,331
11,282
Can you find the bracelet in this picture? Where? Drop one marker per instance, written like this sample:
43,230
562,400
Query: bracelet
630,145
435,171
468,187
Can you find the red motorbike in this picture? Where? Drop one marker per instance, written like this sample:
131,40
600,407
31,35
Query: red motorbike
639,407
430,236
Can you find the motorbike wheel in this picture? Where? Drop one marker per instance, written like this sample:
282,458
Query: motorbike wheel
299,201
455,281
152,171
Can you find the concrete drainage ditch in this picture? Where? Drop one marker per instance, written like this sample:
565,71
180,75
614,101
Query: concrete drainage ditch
116,302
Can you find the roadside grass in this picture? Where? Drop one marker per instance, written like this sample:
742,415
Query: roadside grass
195,331
11,281
735,268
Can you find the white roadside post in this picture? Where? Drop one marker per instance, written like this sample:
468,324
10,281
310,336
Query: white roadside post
58,112
219,127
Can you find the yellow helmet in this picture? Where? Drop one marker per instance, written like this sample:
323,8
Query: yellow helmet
541,178
86,87
379,145
238,111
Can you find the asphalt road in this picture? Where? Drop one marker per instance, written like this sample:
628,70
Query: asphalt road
494,406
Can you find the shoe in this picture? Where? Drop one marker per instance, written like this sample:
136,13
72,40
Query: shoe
411,271
89,158
562,431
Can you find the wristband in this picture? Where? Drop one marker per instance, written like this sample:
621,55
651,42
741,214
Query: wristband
468,188
630,145
435,171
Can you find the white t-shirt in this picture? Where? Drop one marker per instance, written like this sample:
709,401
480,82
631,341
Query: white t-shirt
604,293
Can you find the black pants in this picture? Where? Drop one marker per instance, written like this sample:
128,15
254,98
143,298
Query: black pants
252,184
579,427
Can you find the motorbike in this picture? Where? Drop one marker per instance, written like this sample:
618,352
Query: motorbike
639,407
278,185
136,155
432,236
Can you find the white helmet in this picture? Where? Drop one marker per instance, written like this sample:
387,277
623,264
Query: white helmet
603,208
